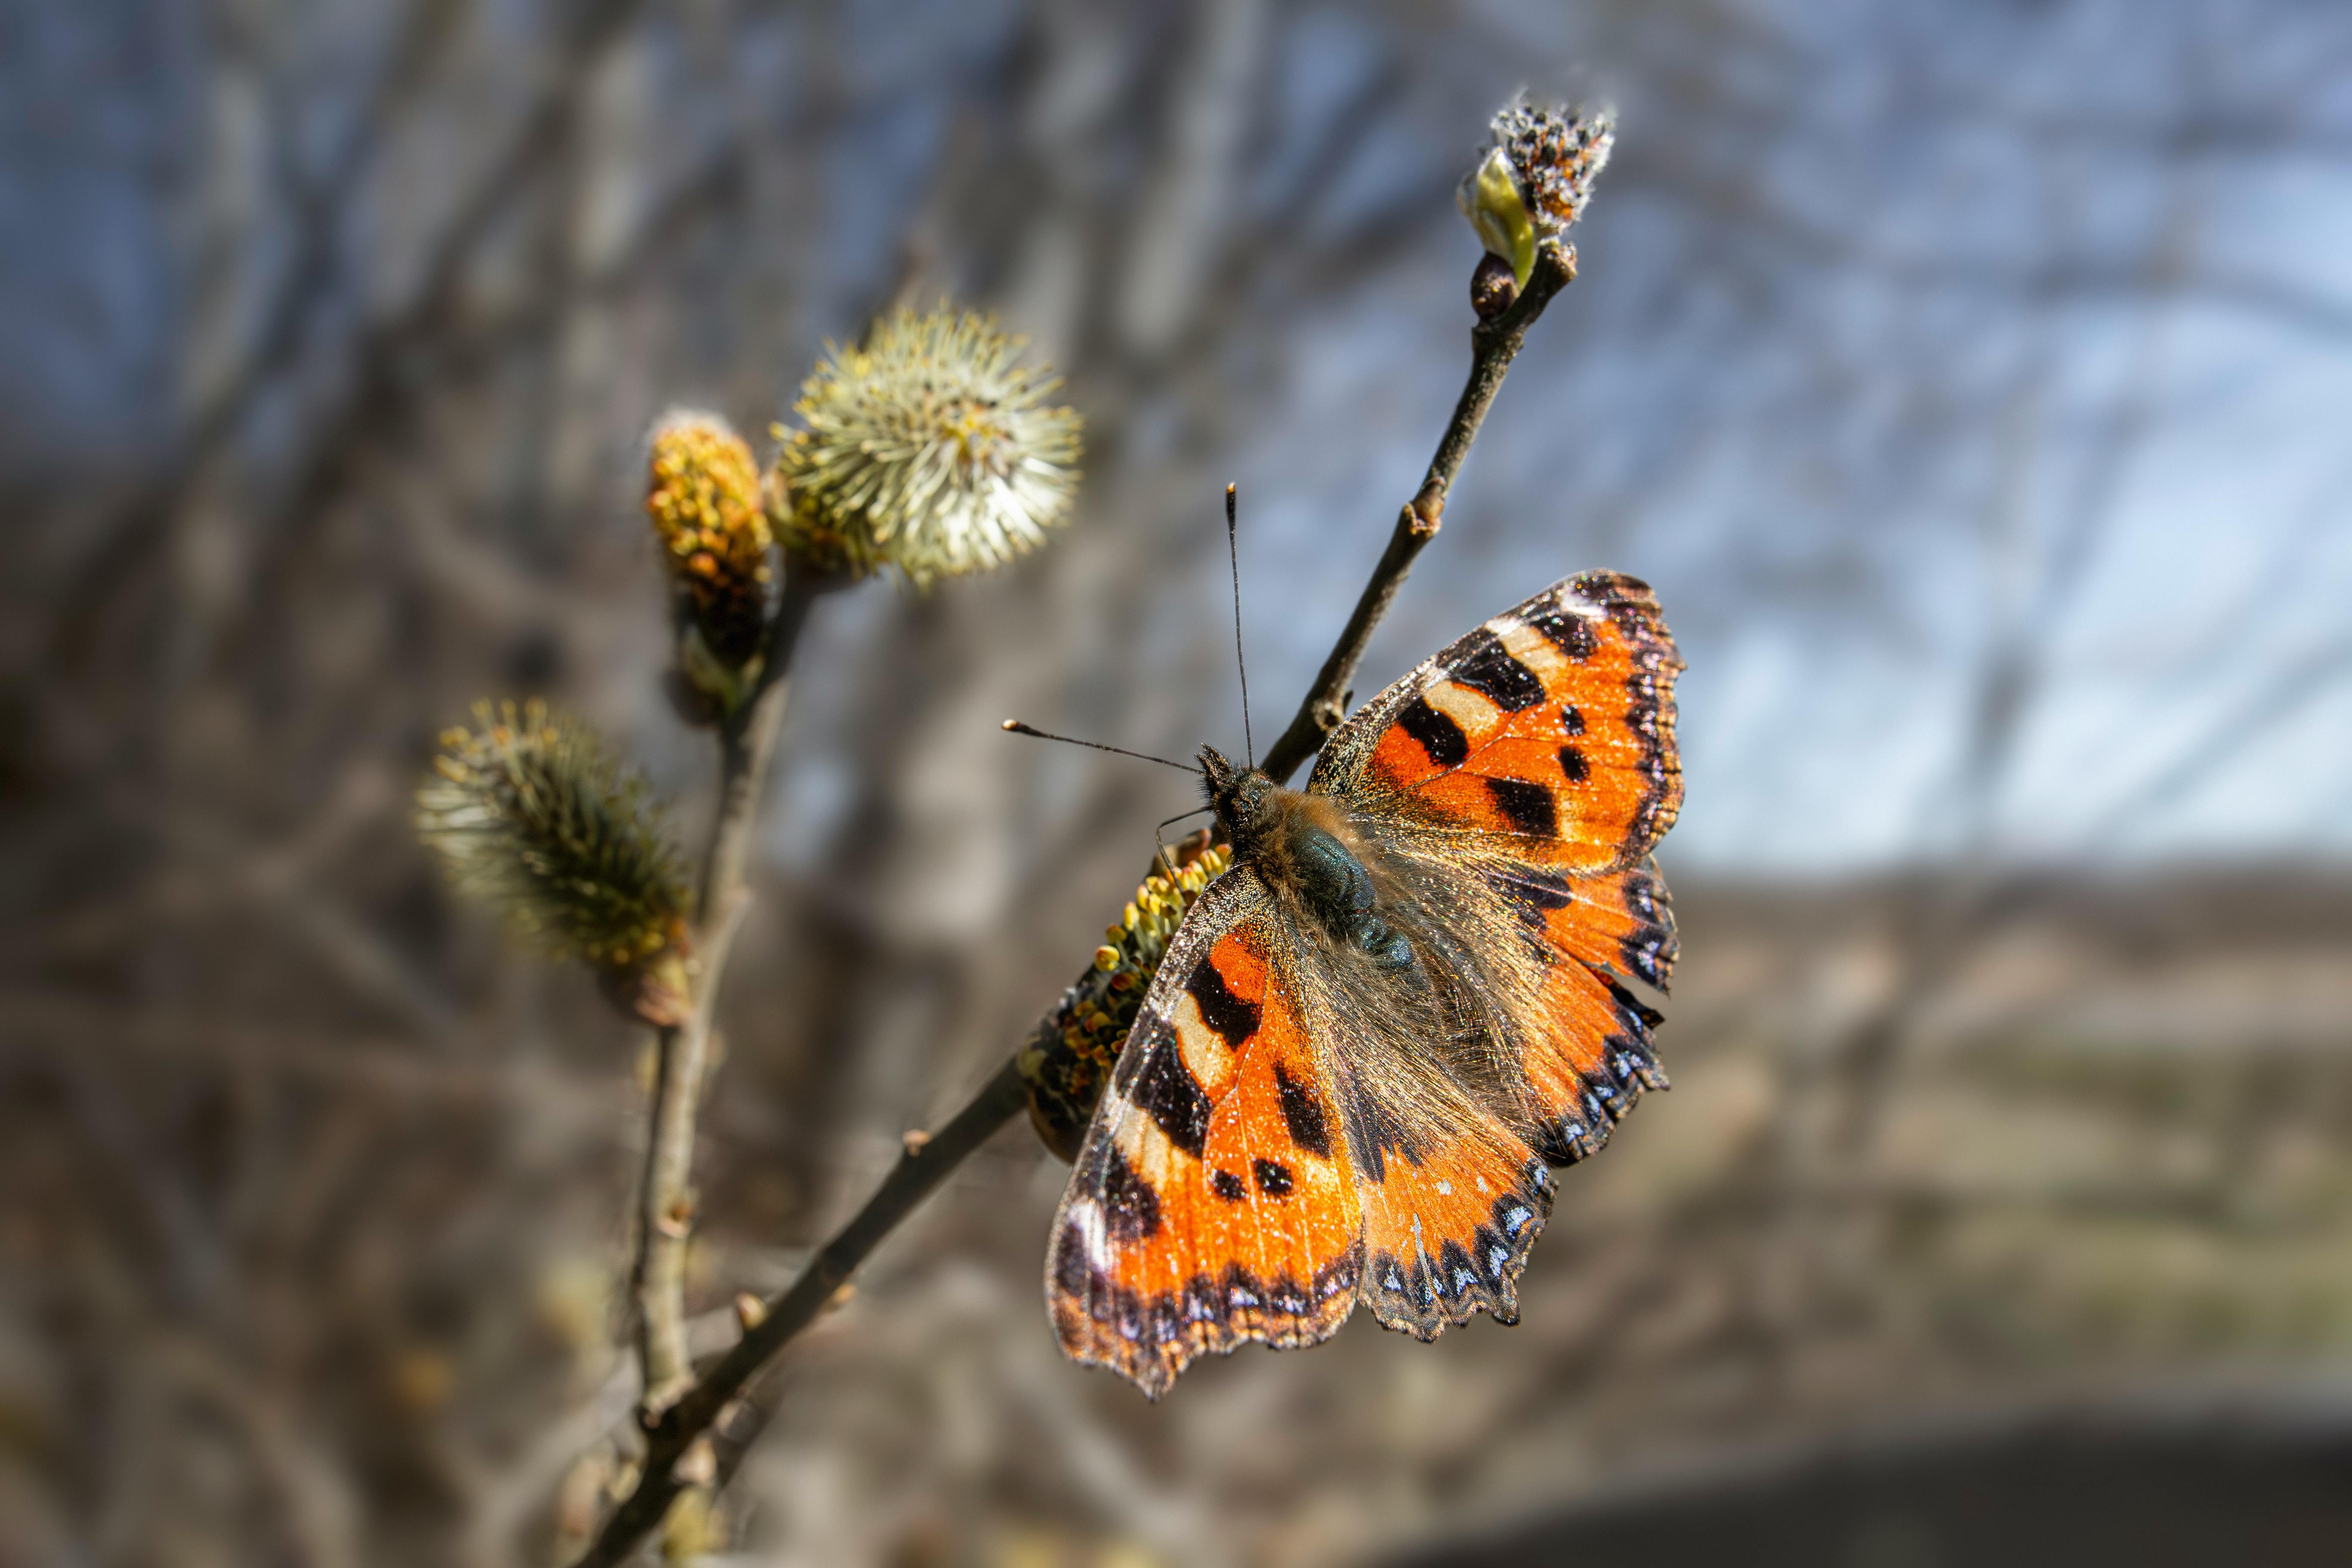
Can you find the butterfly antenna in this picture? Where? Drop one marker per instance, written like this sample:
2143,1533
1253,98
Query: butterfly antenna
1233,557
1014,726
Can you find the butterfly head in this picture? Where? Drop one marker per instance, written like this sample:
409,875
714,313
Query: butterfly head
1243,799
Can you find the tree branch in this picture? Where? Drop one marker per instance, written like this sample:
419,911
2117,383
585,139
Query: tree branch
920,1168
697,1438
665,1200
1494,344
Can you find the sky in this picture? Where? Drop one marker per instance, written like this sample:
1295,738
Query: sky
1910,340
1860,479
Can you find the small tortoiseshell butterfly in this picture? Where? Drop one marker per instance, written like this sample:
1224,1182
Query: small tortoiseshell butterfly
1371,1039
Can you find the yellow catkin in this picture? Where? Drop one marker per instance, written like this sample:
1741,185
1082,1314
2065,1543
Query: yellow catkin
702,496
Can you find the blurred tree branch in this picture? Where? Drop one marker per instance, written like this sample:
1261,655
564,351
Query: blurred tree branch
321,210
665,1221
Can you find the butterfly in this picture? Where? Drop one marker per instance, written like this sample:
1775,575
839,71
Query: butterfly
1371,1039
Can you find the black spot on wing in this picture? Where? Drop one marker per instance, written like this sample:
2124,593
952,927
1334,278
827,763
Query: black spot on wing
1070,1264
1573,765
1640,1017
1527,807
1164,1090
1456,1276
1569,632
1533,894
1649,950
1234,1019
1571,718
1130,1209
1488,668
1533,891
1439,735
1512,1214
1273,1177
1227,1185
1302,1113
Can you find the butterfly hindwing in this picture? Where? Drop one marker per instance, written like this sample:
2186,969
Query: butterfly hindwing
1623,922
1214,1201
1450,1211
1552,725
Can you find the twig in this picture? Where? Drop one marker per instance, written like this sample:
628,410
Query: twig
716,1405
1494,344
665,1200
919,1170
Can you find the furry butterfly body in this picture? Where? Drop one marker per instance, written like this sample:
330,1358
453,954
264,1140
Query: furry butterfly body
1373,1038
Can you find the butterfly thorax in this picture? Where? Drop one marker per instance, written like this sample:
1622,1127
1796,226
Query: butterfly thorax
1303,848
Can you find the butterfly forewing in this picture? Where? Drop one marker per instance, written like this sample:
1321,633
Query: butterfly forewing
1552,726
1214,1201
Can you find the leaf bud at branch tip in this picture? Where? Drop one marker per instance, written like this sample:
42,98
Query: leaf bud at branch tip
1532,181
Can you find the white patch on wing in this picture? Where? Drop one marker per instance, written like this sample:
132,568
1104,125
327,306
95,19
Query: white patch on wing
1094,1235
1149,1152
1529,646
1205,1052
1467,709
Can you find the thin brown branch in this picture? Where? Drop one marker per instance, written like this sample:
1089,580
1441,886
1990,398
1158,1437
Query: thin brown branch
666,1195
919,1170
1494,344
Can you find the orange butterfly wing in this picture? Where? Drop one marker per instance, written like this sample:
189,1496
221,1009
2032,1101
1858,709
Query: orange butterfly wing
1448,1220
1537,755
1214,1201
1590,1059
1551,727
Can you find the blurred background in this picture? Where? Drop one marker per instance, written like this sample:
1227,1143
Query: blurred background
1971,382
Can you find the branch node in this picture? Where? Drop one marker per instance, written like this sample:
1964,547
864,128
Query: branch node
699,1466
654,1409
